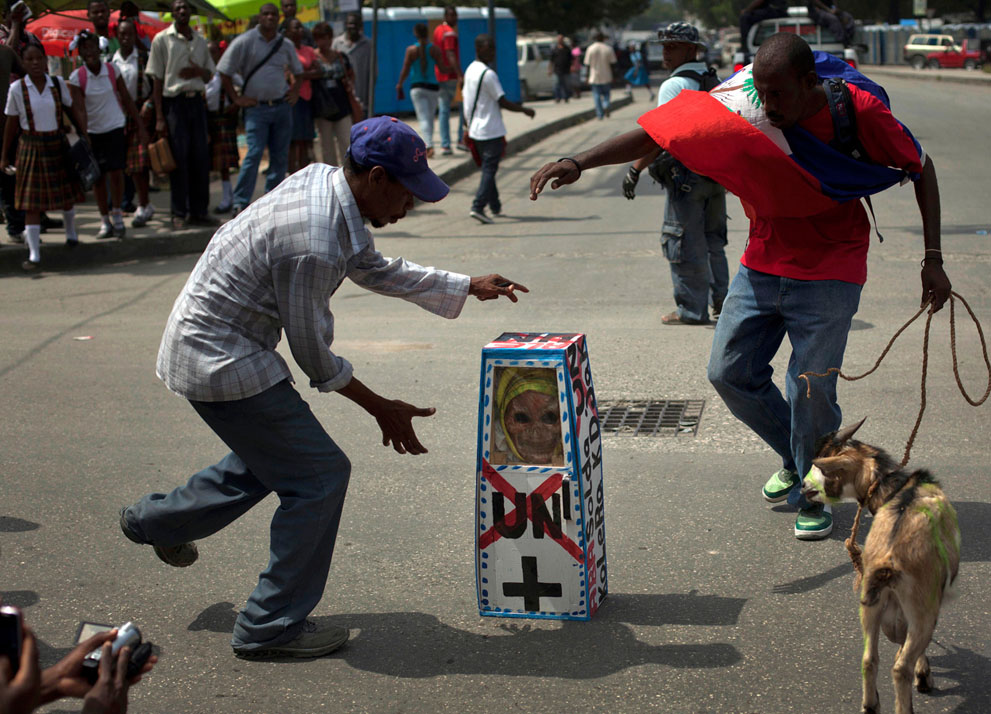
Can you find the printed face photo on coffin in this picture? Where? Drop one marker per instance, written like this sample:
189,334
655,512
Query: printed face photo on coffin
527,421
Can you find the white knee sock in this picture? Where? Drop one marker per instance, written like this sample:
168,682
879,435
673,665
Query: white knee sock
105,218
228,196
118,218
33,237
70,224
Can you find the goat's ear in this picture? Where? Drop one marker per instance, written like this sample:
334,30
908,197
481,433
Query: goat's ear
846,433
832,464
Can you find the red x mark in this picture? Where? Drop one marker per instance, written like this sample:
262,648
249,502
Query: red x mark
545,490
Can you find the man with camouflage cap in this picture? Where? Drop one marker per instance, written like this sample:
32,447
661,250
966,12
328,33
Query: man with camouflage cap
694,234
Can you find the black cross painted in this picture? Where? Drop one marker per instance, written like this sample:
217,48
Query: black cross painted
531,589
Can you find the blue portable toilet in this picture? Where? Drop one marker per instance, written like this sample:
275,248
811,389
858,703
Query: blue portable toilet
395,34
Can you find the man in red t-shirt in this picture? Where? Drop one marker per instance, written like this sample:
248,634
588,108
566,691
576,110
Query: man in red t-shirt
799,277
446,40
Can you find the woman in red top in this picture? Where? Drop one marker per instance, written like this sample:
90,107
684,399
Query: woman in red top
302,114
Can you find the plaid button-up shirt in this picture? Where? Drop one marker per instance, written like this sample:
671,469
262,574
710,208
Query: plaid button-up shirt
275,268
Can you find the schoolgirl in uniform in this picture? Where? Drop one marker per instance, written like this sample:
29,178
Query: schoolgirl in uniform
130,66
43,183
101,90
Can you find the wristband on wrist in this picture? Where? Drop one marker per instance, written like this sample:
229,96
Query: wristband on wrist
927,259
634,170
577,165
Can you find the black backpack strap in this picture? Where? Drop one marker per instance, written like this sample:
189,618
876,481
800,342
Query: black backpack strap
691,74
845,139
478,93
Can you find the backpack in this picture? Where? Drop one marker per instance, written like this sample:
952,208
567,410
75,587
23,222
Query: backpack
842,112
84,77
667,170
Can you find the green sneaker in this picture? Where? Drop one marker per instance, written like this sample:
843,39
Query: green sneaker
777,487
814,523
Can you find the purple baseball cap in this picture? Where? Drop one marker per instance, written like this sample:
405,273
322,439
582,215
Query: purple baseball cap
387,142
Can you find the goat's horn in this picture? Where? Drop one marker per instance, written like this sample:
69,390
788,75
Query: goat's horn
845,434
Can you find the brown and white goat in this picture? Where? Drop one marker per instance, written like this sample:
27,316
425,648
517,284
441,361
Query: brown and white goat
909,560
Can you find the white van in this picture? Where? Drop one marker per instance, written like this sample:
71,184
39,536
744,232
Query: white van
533,58
799,23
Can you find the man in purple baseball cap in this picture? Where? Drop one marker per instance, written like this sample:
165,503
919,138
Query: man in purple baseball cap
269,273
393,145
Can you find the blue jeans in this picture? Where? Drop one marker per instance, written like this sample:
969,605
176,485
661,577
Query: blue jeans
425,104
600,95
447,91
269,127
562,87
759,310
277,445
694,242
488,195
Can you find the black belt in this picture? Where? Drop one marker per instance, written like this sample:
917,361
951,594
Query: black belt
270,102
187,95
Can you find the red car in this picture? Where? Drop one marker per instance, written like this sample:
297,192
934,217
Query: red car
954,56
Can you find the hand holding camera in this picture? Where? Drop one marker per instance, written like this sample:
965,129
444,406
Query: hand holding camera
100,669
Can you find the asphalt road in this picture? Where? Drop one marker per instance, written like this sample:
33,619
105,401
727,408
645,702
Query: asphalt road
714,606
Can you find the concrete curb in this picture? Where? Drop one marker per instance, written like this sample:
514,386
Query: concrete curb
972,78
58,257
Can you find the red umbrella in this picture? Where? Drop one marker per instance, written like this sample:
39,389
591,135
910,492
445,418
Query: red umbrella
57,30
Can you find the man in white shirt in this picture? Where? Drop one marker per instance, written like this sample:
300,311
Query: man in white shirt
269,273
483,100
600,58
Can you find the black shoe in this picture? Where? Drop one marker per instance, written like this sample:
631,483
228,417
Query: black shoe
29,266
208,221
47,223
72,243
312,641
178,556
128,207
220,210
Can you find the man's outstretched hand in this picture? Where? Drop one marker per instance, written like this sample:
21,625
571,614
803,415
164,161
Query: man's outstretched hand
394,417
935,285
563,172
490,287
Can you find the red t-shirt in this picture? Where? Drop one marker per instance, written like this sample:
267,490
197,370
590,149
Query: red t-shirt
446,40
832,245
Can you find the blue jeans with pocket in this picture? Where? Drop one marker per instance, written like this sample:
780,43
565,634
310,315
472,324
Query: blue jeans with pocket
277,446
759,311
448,89
264,126
600,97
694,242
425,104
487,194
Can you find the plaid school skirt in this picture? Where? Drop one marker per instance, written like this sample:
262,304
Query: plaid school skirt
43,179
136,160
223,140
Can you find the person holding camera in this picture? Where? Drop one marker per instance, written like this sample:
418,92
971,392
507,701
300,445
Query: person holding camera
24,686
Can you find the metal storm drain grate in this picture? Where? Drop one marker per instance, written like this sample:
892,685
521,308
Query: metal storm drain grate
663,417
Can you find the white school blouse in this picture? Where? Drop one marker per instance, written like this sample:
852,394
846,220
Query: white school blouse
42,104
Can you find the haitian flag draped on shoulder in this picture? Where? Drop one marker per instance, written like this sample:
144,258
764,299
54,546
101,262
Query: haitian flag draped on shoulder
775,173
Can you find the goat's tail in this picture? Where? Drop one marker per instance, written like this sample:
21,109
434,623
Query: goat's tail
876,580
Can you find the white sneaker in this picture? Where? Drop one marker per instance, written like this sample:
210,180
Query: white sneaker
142,216
480,216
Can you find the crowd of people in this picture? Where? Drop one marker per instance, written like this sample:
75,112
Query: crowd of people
280,82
